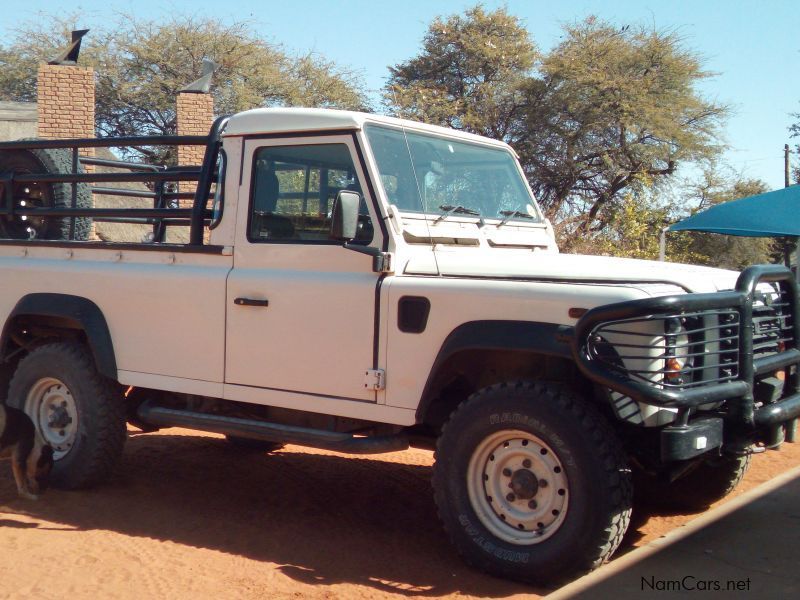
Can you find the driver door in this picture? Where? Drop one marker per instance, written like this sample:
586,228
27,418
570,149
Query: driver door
301,308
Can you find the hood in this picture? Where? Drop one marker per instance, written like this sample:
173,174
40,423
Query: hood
532,265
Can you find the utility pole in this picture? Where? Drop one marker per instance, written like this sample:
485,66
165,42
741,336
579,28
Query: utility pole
786,181
787,250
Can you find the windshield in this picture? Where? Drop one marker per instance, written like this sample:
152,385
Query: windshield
431,174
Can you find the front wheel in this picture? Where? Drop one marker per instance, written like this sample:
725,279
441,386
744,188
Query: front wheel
531,483
80,413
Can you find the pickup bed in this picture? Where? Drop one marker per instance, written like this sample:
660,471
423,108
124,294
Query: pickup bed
361,283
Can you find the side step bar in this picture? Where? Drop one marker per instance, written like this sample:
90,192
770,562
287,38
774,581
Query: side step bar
271,432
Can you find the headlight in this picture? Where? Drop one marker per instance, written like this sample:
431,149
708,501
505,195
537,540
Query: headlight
677,356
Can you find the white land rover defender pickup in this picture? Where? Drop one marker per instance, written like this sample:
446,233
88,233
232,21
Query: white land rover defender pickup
361,283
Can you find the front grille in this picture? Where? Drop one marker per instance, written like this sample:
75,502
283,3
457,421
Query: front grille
773,326
672,351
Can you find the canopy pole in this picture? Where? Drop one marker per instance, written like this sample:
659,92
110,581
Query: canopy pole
662,244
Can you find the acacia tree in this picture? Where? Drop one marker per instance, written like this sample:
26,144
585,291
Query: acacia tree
606,112
614,110
469,74
141,65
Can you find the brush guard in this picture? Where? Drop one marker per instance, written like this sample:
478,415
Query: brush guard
740,360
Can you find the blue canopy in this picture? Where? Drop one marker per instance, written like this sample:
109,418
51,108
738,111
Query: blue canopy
765,215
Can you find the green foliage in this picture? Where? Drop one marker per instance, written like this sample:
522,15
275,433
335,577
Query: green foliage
634,231
615,109
606,112
141,65
783,250
20,58
469,74
635,223
726,251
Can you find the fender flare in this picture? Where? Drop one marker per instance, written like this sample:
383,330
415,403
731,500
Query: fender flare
82,312
549,339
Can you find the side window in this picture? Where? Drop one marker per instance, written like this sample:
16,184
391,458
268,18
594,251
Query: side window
293,192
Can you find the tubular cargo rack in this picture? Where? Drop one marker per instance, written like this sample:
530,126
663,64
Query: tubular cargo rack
164,195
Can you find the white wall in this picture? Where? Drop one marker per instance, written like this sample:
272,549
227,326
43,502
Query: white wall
17,120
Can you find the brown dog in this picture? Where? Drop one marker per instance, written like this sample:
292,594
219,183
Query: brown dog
31,457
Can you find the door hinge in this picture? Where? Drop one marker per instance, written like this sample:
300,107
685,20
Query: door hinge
375,379
382,263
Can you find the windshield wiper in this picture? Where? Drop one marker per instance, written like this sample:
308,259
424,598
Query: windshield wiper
510,214
452,210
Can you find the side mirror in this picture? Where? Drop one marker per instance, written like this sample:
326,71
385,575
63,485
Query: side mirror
344,217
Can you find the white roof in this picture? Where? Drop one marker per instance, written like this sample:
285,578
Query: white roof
291,120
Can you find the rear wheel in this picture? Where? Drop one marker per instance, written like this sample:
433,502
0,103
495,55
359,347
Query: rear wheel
78,411
28,195
531,483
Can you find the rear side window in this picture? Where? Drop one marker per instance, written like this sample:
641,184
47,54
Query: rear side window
293,192
218,201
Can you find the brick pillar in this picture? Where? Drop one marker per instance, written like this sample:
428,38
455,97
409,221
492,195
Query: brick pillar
65,106
65,103
195,114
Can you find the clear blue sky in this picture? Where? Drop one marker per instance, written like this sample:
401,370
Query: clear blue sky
753,46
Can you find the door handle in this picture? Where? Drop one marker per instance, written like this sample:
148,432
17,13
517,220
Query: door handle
250,302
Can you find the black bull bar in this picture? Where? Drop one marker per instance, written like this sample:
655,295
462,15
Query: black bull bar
738,390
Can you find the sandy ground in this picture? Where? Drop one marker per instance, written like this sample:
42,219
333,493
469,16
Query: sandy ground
186,516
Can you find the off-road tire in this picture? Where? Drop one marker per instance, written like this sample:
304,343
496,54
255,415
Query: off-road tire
247,445
708,481
99,404
599,492
56,195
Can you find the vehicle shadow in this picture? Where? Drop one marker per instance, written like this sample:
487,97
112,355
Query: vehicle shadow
322,518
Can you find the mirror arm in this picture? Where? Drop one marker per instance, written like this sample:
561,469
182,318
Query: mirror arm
381,261
368,250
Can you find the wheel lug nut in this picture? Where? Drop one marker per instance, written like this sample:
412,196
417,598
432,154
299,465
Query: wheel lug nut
507,472
511,497
526,463
532,504
542,483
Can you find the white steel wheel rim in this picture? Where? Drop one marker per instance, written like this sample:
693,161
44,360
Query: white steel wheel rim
52,407
517,487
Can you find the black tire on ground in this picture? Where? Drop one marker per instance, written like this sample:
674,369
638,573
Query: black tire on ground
707,481
59,387
248,445
581,501
53,195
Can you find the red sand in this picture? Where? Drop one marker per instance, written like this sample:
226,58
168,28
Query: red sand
186,516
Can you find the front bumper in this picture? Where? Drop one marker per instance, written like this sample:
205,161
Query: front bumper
746,414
